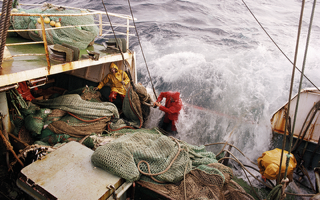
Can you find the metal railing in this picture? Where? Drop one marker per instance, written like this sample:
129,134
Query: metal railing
99,23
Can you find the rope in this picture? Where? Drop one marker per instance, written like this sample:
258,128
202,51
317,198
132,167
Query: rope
184,182
123,60
275,193
93,120
303,169
244,169
312,111
83,139
135,27
9,147
234,147
238,123
290,93
277,45
301,195
303,66
151,175
301,78
5,17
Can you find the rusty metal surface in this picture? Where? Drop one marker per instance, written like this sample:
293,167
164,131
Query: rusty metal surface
29,62
45,43
31,67
308,99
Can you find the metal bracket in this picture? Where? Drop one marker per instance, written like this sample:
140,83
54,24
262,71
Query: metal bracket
31,83
93,55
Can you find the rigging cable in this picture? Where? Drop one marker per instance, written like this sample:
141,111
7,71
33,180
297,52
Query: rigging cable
142,49
120,49
277,45
304,62
301,78
289,101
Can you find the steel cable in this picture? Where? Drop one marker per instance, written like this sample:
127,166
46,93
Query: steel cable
142,50
277,45
120,49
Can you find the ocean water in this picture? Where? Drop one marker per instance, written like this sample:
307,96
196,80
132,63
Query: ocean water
231,77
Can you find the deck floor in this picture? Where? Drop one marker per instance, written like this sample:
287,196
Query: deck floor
24,68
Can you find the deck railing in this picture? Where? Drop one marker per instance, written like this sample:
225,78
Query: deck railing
98,19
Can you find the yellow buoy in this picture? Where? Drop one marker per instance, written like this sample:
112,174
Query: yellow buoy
14,10
39,20
52,23
58,24
46,20
22,12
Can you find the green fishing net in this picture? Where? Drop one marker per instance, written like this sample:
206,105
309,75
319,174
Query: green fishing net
74,104
133,109
80,36
157,153
35,122
18,123
87,93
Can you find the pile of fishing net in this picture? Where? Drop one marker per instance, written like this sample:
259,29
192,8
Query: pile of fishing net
69,117
79,36
135,107
168,166
80,113
74,117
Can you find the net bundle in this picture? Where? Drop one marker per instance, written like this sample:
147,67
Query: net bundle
81,35
213,181
134,156
133,108
170,167
87,93
35,122
74,104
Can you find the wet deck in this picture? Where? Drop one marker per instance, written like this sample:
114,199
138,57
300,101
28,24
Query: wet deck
24,68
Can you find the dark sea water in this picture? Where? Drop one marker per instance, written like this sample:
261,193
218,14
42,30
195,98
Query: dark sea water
217,56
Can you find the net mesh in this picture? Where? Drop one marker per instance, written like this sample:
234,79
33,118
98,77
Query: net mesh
87,93
156,150
133,109
199,184
61,127
160,163
35,122
74,104
79,36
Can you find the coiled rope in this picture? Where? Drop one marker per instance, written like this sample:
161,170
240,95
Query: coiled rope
172,161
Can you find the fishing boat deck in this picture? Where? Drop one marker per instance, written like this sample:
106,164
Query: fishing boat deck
27,67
